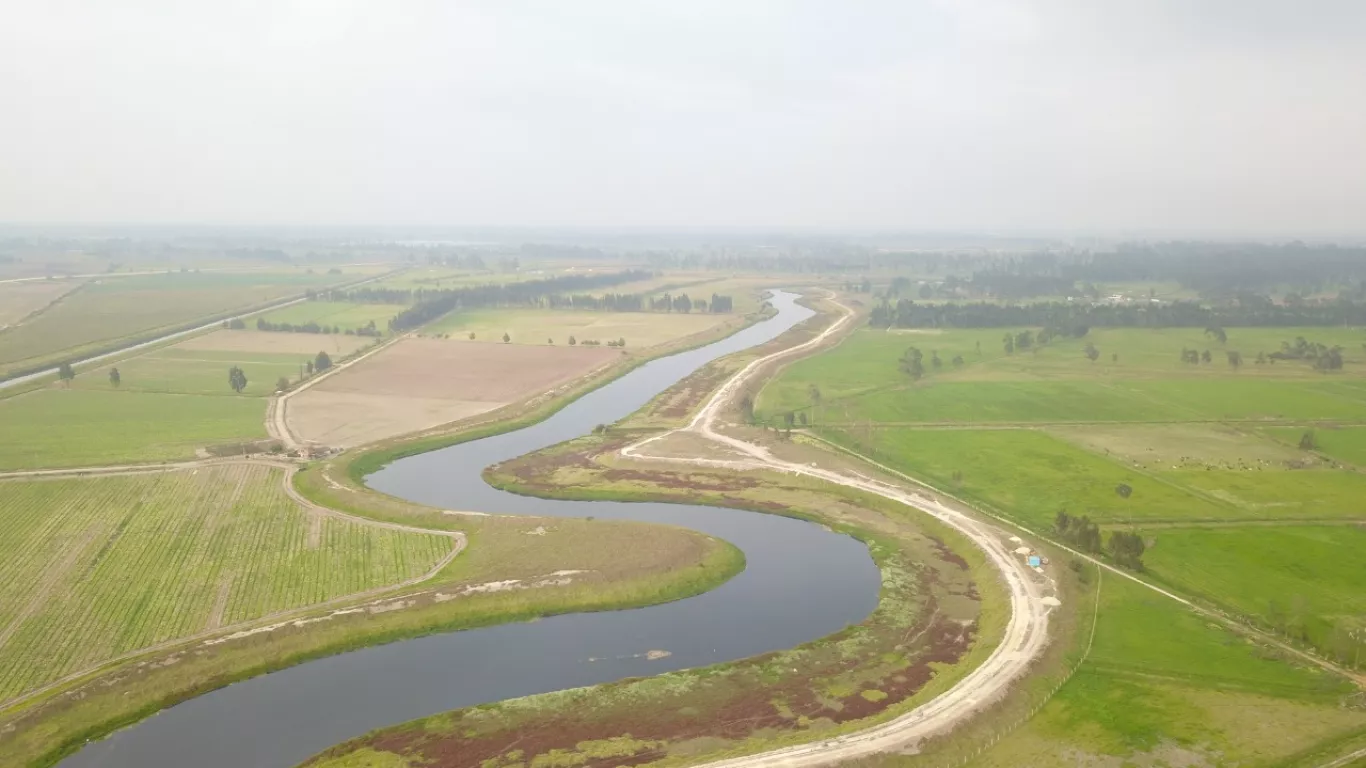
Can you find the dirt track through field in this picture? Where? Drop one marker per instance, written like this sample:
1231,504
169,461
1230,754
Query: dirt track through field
1026,634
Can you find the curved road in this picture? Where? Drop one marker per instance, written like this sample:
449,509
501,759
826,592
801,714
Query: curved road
1025,637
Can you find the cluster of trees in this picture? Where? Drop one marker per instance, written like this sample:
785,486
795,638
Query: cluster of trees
1065,315
1323,357
594,342
1080,532
368,329
1126,549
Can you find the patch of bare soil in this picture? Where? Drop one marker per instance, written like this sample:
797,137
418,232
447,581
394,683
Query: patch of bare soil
416,384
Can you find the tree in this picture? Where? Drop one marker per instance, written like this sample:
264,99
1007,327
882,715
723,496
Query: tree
115,378
66,373
471,335
1009,342
957,361
1309,441
237,379
935,361
1124,490
1092,353
911,363
1235,358
1127,549
281,384
801,417
573,341
1206,357
309,365
926,292
322,362
550,342
1218,334
506,338
236,324
621,342
1114,357
747,408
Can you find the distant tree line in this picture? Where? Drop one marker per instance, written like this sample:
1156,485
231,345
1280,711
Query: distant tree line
1178,314
368,329
516,294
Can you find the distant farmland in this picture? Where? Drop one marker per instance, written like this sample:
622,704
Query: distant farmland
109,309
96,568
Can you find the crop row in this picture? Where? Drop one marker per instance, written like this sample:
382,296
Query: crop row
101,567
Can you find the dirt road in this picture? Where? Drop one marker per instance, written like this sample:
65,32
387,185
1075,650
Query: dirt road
1026,634
1025,637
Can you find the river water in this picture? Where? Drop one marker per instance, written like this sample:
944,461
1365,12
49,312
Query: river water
800,582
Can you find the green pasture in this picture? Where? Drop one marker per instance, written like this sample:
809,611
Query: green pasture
1270,493
346,315
1164,686
109,309
1030,475
195,372
57,427
1347,444
1305,581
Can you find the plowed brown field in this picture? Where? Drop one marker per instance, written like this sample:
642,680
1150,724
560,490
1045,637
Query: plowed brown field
422,383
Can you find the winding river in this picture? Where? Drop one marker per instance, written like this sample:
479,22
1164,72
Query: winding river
800,582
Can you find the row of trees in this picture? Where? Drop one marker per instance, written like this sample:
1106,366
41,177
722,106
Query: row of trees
368,329
1064,315
515,294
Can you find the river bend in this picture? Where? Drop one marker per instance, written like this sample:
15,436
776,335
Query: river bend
801,582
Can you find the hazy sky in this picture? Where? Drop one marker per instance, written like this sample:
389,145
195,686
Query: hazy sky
1218,116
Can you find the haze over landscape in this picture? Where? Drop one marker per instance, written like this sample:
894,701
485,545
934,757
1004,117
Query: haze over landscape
1154,117
528,384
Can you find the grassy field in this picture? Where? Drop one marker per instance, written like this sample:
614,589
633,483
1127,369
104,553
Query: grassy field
96,568
108,309
1163,687
1215,482
70,428
1305,581
345,315
1346,444
194,372
639,329
861,379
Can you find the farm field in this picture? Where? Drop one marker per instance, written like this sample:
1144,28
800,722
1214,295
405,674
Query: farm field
1347,444
420,383
538,327
1163,687
1204,462
1304,581
344,315
18,300
861,378
199,365
100,567
57,427
108,309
